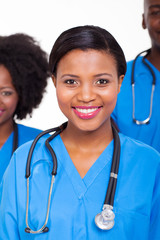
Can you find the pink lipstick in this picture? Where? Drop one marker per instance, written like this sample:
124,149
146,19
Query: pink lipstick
84,112
1,112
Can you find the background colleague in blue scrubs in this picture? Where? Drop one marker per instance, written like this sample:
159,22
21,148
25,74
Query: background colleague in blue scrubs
23,78
87,66
140,104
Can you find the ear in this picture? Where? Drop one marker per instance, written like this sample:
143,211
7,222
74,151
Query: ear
54,80
143,22
120,80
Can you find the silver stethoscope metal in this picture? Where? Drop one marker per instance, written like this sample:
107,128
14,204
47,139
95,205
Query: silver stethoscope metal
145,121
103,220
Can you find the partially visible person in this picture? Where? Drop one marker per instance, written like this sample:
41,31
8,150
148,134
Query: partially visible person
137,111
23,77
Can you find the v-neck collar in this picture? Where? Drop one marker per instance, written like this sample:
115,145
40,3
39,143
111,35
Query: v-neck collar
81,184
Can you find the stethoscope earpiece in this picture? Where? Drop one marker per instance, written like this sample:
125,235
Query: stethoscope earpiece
28,230
46,229
146,121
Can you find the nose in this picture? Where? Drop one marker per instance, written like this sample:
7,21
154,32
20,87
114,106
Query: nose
1,97
86,93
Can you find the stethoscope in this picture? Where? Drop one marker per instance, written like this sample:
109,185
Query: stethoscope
103,220
145,121
15,137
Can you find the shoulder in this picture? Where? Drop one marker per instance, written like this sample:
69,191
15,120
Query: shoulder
139,151
22,127
26,133
138,64
138,61
40,143
40,150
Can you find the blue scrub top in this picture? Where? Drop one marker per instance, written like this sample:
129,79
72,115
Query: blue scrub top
76,201
25,134
122,115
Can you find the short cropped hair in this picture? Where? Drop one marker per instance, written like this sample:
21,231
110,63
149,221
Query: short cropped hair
84,38
28,66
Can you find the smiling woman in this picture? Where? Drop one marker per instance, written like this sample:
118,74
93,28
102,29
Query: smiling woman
87,90
23,77
90,158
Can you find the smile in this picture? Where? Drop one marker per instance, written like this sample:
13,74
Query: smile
1,112
86,112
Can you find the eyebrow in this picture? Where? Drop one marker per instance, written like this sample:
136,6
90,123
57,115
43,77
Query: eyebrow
155,6
97,75
102,74
69,75
1,88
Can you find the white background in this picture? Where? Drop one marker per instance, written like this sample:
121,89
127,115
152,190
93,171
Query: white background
46,19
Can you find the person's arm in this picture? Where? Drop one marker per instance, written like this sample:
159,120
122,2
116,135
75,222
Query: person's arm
154,231
8,204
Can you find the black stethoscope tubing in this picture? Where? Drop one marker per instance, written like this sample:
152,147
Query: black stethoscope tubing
146,121
57,131
109,199
15,137
143,60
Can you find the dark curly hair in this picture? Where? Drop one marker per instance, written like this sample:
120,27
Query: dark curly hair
28,66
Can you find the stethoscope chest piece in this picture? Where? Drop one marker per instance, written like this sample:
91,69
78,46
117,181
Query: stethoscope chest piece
105,219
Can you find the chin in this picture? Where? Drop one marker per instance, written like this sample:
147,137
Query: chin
87,126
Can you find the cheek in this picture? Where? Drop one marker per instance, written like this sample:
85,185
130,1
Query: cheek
110,95
11,103
63,99
110,99
152,25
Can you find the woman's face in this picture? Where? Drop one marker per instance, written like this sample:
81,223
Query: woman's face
87,86
8,96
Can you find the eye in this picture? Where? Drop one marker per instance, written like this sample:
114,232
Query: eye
70,81
155,12
6,93
102,81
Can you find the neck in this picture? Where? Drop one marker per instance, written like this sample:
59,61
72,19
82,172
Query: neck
84,147
98,138
5,130
154,57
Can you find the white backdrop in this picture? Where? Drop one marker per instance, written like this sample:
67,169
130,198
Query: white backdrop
46,19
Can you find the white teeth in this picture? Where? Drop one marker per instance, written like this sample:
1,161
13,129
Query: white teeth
89,110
